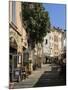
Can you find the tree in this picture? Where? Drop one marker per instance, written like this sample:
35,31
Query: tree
36,20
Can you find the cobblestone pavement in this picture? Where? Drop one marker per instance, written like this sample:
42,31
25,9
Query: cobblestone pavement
48,75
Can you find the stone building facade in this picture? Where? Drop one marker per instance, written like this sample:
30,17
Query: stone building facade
17,39
53,43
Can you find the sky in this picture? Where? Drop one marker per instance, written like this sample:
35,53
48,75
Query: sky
57,14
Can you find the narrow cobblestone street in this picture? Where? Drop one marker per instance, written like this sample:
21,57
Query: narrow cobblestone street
48,75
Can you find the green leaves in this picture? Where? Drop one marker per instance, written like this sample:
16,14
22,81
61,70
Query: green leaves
36,20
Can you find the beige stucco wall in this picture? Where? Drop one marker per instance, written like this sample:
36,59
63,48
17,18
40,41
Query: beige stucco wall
21,29
18,16
24,36
10,11
50,47
20,39
57,43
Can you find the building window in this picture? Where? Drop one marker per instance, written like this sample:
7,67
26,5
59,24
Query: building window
46,41
14,12
22,40
56,38
55,52
31,6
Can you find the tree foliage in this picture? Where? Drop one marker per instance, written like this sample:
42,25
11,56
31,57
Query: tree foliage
36,20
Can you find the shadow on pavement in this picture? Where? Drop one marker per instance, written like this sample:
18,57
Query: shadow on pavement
52,78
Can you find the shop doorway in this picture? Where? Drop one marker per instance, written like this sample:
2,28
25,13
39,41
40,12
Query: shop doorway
14,61
15,67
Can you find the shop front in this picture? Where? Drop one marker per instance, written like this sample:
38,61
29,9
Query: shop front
15,61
